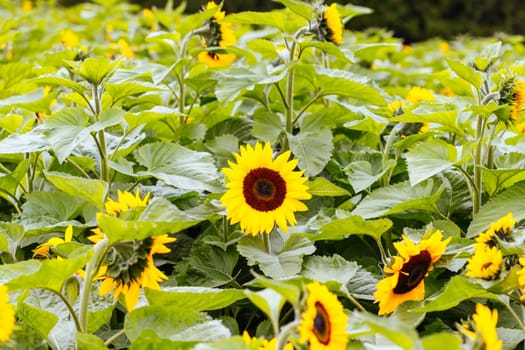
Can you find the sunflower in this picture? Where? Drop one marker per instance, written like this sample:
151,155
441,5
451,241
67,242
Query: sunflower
485,263
7,315
481,331
414,128
408,271
417,94
396,107
513,94
263,192
503,227
220,35
42,250
331,26
130,265
323,323
521,279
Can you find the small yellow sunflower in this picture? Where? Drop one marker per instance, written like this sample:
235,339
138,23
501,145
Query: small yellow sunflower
221,35
7,315
69,39
396,107
323,323
417,94
408,272
126,201
485,263
503,227
263,192
331,26
481,331
42,250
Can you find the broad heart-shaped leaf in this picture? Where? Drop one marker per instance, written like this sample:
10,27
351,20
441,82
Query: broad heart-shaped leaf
91,190
9,182
32,141
329,269
174,323
466,73
392,328
457,290
285,259
429,158
439,341
178,166
322,187
158,218
399,198
268,301
300,8
313,150
276,20
496,179
363,174
51,80
448,119
194,298
48,274
508,201
339,82
119,91
48,211
351,225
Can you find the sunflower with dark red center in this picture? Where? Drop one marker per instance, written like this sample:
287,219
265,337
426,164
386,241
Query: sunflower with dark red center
323,323
220,36
406,280
262,191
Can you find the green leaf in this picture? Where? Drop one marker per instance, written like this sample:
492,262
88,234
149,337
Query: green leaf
149,340
362,173
87,341
9,182
51,80
94,69
283,262
290,289
313,150
267,126
174,323
322,187
196,20
428,159
340,228
33,141
448,119
495,180
194,298
392,328
508,201
41,320
300,8
327,47
276,20
268,301
329,269
179,166
399,198
457,290
466,73
439,341
510,337
91,190
120,91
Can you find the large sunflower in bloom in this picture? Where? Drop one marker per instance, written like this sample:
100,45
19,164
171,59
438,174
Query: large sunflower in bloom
482,330
130,264
262,191
7,315
323,323
220,35
406,280
331,26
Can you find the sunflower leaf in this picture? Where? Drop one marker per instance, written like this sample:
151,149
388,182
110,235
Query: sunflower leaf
194,298
322,187
313,150
429,158
442,340
92,190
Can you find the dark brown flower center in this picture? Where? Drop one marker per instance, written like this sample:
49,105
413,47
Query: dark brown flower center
264,189
322,327
413,272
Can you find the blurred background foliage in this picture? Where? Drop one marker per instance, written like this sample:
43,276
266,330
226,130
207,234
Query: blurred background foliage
410,20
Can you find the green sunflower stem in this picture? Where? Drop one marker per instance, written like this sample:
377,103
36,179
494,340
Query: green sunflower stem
285,333
480,131
518,319
353,300
267,243
91,271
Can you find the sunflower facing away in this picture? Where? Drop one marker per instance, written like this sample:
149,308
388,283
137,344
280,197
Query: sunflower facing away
485,263
481,332
263,192
129,264
408,271
7,315
220,35
331,26
513,94
323,323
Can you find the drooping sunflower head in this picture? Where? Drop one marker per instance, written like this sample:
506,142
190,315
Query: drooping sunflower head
417,94
7,315
220,35
323,323
485,263
408,271
503,227
129,266
512,93
330,25
262,191
481,330
413,129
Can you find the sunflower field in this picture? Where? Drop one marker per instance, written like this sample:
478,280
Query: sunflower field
256,180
